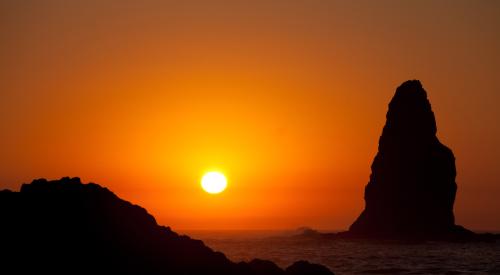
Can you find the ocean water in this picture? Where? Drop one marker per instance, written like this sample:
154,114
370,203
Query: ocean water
356,257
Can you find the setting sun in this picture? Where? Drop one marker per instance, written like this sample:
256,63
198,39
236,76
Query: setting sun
213,182
250,137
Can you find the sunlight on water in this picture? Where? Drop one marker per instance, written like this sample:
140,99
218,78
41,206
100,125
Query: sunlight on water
357,257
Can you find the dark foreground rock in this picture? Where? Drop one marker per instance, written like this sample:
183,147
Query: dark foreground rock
412,186
303,267
66,227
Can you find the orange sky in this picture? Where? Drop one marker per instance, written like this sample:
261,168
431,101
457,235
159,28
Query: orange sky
287,98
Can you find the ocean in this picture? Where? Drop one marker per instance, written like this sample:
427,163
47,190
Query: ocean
356,257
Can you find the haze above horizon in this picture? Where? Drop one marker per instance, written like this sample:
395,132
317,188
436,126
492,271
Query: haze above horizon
286,98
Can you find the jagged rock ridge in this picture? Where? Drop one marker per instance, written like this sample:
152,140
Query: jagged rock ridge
66,227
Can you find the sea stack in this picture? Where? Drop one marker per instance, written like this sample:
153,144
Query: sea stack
412,186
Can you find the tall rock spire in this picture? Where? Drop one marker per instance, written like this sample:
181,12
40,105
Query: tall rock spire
412,186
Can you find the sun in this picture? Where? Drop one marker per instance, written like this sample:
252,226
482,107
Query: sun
213,182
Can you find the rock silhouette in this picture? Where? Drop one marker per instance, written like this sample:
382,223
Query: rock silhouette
66,227
303,267
412,186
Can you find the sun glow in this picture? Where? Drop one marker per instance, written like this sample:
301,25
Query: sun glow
214,182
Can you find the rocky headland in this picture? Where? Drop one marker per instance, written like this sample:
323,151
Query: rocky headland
66,227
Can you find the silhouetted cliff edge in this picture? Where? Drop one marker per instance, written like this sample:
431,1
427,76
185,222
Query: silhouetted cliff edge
412,186
66,227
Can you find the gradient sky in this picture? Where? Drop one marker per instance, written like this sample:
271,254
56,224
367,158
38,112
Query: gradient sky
287,98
